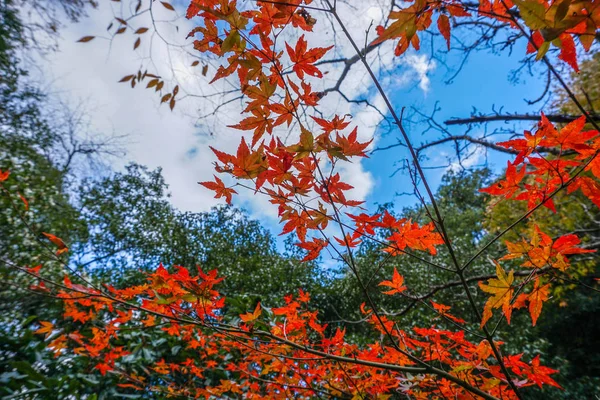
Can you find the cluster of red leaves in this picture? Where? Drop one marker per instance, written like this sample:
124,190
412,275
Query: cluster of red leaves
288,174
534,178
266,353
570,161
552,22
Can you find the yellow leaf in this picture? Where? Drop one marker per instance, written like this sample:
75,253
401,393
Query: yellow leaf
502,292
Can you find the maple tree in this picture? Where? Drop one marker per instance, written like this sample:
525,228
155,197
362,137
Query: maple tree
268,351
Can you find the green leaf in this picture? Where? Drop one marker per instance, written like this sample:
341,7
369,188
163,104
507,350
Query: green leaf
233,38
542,50
533,13
28,321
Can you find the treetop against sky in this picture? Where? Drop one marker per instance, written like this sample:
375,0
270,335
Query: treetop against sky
310,83
179,141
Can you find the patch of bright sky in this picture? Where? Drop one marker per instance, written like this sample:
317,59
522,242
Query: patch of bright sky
482,84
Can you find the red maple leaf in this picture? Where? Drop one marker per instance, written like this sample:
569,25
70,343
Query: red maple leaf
219,187
350,146
303,60
540,374
313,247
396,283
103,368
510,185
259,123
62,247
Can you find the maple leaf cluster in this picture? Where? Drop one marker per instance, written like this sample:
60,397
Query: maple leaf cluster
535,177
550,22
547,161
259,350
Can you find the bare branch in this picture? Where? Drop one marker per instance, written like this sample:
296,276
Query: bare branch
478,119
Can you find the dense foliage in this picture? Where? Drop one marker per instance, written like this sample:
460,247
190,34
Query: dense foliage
110,291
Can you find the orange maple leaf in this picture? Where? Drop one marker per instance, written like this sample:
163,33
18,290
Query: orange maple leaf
350,240
35,270
103,368
396,283
62,247
259,123
304,59
410,235
443,311
25,202
314,248
536,299
350,146
336,124
589,187
219,187
249,317
57,345
540,374
46,328
443,24
568,52
510,185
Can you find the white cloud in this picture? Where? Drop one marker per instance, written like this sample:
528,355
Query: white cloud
421,66
472,158
164,138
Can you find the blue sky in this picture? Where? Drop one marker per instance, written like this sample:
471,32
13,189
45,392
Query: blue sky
482,83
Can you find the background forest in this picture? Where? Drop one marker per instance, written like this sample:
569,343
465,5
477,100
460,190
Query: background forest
120,224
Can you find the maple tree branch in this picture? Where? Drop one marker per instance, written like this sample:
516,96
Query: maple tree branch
353,229
448,285
477,119
236,330
456,138
484,143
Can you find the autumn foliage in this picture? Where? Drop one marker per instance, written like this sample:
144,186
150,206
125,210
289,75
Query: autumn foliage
284,351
